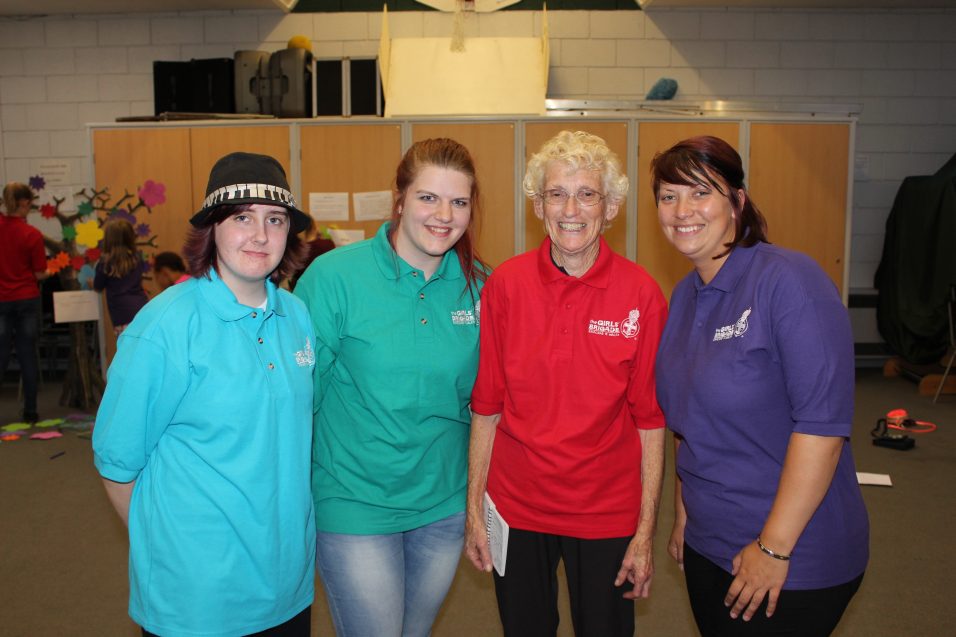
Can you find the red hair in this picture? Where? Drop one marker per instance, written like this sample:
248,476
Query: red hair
449,154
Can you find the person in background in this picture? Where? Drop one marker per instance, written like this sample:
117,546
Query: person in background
396,322
203,437
168,270
317,245
567,437
755,375
22,264
119,273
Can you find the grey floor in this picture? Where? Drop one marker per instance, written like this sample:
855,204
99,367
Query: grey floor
63,552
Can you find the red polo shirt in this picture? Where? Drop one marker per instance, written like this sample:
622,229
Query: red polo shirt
569,365
21,255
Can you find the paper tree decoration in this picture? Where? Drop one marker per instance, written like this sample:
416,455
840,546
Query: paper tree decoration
72,259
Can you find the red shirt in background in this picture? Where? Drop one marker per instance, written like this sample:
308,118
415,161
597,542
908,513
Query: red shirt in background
21,256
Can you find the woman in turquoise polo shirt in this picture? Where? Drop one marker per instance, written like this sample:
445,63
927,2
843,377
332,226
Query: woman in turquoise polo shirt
203,436
396,323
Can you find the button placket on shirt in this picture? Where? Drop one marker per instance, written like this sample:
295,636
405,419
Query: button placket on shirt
424,318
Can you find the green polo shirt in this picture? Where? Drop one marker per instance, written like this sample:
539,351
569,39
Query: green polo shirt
396,358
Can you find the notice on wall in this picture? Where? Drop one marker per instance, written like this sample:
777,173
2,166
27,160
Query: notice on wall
81,305
329,206
372,206
341,237
56,172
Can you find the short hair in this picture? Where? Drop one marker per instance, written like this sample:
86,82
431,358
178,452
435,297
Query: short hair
579,151
449,154
14,192
711,162
169,260
200,245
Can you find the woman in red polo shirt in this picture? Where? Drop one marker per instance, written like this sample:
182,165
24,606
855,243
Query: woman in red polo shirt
22,264
566,435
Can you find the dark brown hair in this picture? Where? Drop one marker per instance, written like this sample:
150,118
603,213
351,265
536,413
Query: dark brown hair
200,246
443,153
713,163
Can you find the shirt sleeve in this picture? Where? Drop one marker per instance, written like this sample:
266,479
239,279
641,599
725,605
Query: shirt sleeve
487,396
641,388
317,292
99,277
144,386
814,340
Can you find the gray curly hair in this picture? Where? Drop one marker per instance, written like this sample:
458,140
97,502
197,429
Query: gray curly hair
579,151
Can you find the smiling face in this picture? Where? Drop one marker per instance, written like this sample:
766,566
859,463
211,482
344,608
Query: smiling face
434,214
575,230
249,246
699,221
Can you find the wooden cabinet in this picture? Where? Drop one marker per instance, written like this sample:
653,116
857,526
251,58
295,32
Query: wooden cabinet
349,158
798,173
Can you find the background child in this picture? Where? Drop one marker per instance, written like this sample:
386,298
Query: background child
120,273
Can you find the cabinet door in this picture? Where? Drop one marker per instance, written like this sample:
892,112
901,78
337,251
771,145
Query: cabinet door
492,147
123,159
654,252
349,158
615,135
798,178
209,143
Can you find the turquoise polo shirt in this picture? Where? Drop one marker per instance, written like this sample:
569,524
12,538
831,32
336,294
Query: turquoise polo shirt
208,408
396,357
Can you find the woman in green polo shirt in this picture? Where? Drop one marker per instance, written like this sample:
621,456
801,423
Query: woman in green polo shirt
396,322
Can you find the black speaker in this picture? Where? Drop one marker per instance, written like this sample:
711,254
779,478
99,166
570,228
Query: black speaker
196,86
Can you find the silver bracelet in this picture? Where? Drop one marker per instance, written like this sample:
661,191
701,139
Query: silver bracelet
776,556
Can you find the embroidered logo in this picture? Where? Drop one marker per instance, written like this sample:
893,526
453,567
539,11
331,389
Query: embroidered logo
731,331
305,357
463,317
628,328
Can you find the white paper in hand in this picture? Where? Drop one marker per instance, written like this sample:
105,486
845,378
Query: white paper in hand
497,530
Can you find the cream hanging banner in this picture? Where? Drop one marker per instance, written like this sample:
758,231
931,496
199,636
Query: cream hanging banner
489,76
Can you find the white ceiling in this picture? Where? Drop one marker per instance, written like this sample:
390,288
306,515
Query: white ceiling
60,7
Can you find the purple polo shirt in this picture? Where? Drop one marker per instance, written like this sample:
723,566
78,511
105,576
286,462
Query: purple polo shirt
761,352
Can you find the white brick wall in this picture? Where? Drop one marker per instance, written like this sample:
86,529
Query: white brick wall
58,73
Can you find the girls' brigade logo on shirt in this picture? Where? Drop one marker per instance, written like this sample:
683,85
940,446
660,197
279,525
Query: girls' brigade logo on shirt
628,328
733,331
305,357
463,317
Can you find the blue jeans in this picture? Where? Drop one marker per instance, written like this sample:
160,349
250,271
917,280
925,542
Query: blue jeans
389,585
18,326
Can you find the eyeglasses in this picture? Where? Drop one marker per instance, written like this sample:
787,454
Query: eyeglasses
558,197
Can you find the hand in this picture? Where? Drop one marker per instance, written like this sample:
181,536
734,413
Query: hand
637,568
757,576
675,546
476,542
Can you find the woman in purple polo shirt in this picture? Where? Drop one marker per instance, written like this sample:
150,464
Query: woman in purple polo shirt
755,377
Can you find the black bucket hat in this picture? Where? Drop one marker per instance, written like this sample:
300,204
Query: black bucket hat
241,178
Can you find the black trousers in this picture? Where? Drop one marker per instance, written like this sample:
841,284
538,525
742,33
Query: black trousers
799,613
528,593
298,626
